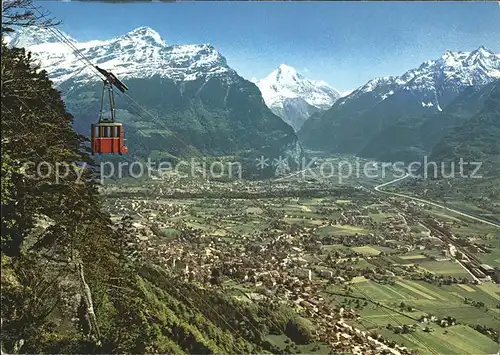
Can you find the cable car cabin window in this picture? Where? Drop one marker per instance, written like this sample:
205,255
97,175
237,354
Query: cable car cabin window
106,132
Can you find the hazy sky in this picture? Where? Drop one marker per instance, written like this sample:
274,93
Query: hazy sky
343,43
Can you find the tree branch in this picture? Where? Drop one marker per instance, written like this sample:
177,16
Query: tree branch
23,13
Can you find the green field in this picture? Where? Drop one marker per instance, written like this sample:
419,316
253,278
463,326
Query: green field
366,249
445,268
412,257
455,340
341,230
459,339
379,217
446,300
492,259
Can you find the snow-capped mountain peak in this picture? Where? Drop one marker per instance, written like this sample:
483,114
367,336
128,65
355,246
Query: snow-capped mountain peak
483,51
34,35
140,53
285,88
437,81
286,73
285,82
144,34
483,55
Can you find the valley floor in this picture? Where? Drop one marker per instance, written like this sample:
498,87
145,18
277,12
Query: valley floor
369,272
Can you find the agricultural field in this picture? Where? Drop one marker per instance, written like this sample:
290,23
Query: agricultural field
456,339
445,268
441,301
366,250
385,308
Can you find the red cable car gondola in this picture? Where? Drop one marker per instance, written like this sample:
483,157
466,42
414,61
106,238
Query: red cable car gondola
107,134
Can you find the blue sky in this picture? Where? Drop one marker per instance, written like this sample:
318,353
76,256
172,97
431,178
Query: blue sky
343,43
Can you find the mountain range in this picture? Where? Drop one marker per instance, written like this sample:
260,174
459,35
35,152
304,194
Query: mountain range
186,99
293,97
403,117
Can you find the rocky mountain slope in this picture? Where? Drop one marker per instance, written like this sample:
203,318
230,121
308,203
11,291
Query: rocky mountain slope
478,138
409,142
190,100
293,97
385,106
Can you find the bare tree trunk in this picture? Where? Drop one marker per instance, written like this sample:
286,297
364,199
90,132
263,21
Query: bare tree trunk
87,296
